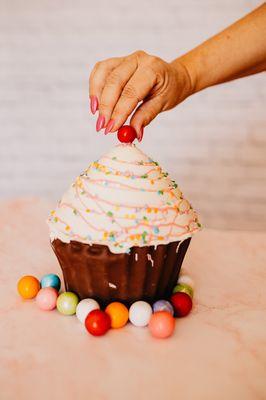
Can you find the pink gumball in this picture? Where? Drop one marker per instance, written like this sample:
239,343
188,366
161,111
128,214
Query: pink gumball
162,324
46,298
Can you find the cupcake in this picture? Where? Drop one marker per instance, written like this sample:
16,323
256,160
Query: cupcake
121,231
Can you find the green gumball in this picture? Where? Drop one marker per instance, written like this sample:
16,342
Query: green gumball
67,303
183,287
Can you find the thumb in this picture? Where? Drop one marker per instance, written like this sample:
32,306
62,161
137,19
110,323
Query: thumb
144,114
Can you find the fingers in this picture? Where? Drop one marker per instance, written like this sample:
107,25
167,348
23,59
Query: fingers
97,79
136,89
145,113
114,85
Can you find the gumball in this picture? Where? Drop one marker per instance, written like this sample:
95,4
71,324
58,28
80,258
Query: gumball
84,307
185,279
163,305
97,322
118,314
182,304
28,287
126,134
140,313
184,288
67,303
162,324
46,298
51,280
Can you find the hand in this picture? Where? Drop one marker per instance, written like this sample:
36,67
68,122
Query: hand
118,85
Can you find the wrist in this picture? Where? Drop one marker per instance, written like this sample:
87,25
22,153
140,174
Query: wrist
189,64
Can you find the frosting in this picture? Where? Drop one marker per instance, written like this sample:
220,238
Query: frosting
124,199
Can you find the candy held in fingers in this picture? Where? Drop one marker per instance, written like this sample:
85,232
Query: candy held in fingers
51,280
28,287
126,134
97,322
185,279
118,313
182,304
46,298
140,313
184,288
84,307
67,303
163,305
162,324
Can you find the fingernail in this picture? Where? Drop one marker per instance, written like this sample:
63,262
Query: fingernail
141,134
94,104
109,126
100,123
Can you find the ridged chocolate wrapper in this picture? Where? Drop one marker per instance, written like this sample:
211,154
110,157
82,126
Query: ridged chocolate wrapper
145,273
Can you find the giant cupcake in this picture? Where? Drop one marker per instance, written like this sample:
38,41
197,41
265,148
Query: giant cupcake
122,229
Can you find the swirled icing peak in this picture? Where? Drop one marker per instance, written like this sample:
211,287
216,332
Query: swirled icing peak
124,199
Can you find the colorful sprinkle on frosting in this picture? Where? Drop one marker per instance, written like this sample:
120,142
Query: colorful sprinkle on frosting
124,199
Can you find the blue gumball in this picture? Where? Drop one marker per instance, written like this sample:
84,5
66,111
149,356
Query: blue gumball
51,280
163,305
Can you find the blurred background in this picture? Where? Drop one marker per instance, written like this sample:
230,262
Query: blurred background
213,144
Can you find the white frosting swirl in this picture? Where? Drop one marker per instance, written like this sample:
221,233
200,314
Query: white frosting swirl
122,200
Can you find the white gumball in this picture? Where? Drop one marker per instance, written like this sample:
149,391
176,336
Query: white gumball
186,280
84,307
140,313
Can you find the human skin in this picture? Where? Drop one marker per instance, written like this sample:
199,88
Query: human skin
143,85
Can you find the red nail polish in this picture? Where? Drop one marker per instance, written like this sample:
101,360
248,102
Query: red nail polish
94,104
100,123
141,134
109,126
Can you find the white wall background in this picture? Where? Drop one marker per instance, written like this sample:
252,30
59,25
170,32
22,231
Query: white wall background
214,144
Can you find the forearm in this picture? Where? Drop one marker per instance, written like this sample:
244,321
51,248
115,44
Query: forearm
238,51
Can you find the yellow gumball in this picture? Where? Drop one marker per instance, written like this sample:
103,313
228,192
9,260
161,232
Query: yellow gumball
28,287
118,314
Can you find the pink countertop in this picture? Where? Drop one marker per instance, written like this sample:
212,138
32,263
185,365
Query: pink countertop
218,352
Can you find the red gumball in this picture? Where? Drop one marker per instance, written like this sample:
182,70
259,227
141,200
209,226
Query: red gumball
97,322
126,134
182,304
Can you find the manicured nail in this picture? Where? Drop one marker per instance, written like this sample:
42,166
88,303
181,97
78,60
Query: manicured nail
141,134
94,104
109,126
100,123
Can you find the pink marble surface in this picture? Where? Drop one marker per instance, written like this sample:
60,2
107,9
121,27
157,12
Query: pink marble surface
218,352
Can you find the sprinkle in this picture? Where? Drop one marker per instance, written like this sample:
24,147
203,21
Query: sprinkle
88,210
199,225
160,192
55,219
156,229
52,212
75,212
105,234
136,256
152,181
112,285
114,158
144,176
145,218
110,214
67,228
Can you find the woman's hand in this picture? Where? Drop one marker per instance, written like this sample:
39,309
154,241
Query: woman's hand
118,85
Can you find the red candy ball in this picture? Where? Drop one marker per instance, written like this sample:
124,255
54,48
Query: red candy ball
182,304
97,322
126,134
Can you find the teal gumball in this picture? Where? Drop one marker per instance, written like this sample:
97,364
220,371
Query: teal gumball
51,280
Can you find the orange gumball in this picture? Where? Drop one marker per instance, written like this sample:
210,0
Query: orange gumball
28,287
118,314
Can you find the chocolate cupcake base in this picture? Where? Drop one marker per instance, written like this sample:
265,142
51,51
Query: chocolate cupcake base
147,273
